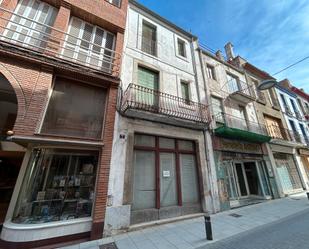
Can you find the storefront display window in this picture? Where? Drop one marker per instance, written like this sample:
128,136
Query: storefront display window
165,173
59,185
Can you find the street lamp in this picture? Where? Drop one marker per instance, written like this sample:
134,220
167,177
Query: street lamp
266,84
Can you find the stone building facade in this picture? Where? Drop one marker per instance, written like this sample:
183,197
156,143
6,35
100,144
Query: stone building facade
59,74
159,168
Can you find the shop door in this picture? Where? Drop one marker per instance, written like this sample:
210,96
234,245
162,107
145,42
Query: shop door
253,178
288,173
242,180
168,187
231,181
10,163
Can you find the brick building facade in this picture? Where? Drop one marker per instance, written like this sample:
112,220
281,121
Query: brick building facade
58,93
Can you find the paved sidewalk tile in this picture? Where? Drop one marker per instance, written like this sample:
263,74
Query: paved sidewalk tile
190,234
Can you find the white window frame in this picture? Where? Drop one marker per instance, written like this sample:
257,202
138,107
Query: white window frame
30,30
213,74
184,47
89,52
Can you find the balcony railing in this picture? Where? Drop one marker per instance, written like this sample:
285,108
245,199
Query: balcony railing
235,86
298,115
240,123
281,133
288,110
51,42
141,98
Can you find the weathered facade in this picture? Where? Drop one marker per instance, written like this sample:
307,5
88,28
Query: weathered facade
239,140
159,169
59,74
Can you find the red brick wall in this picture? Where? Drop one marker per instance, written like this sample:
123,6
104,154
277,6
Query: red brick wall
105,158
31,85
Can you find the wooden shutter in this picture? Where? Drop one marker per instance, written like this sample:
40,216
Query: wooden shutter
149,39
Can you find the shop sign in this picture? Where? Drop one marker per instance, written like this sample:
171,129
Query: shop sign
238,146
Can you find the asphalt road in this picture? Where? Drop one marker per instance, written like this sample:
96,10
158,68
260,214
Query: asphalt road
289,233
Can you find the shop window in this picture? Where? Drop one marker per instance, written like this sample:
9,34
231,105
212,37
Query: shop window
30,25
58,185
75,110
89,45
169,162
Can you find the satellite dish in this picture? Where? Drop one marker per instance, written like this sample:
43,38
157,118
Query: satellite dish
266,84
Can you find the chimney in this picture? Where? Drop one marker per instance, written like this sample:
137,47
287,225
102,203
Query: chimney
229,51
285,83
219,55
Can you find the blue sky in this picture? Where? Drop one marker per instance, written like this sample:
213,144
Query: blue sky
271,34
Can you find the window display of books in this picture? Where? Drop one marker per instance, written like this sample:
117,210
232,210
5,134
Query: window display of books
63,197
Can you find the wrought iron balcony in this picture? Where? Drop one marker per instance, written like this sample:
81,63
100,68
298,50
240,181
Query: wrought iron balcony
240,91
233,127
281,133
145,103
40,39
298,115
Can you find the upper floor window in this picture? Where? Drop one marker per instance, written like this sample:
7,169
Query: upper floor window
185,91
210,70
283,100
307,108
232,83
30,25
217,108
115,2
294,106
181,45
75,110
89,45
149,38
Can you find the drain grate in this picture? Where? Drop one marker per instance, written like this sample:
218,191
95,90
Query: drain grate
109,246
235,215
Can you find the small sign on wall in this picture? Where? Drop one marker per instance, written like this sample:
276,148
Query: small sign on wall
166,173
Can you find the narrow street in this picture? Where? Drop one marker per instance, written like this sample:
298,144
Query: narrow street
288,233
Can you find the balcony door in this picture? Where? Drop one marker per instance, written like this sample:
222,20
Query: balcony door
30,24
241,118
148,93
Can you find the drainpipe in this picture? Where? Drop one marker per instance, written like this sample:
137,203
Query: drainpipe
212,185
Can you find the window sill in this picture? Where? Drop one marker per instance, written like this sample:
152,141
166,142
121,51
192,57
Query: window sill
17,226
182,58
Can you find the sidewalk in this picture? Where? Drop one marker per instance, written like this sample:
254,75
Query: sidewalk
190,234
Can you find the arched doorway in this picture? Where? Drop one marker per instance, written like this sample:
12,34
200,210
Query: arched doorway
11,154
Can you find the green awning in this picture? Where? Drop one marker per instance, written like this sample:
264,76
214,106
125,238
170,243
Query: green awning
237,134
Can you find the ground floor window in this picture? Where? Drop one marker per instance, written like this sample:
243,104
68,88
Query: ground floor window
58,185
165,172
288,173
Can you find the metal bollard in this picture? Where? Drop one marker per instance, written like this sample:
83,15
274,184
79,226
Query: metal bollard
208,227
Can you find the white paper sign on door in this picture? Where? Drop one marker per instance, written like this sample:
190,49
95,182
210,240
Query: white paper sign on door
166,173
